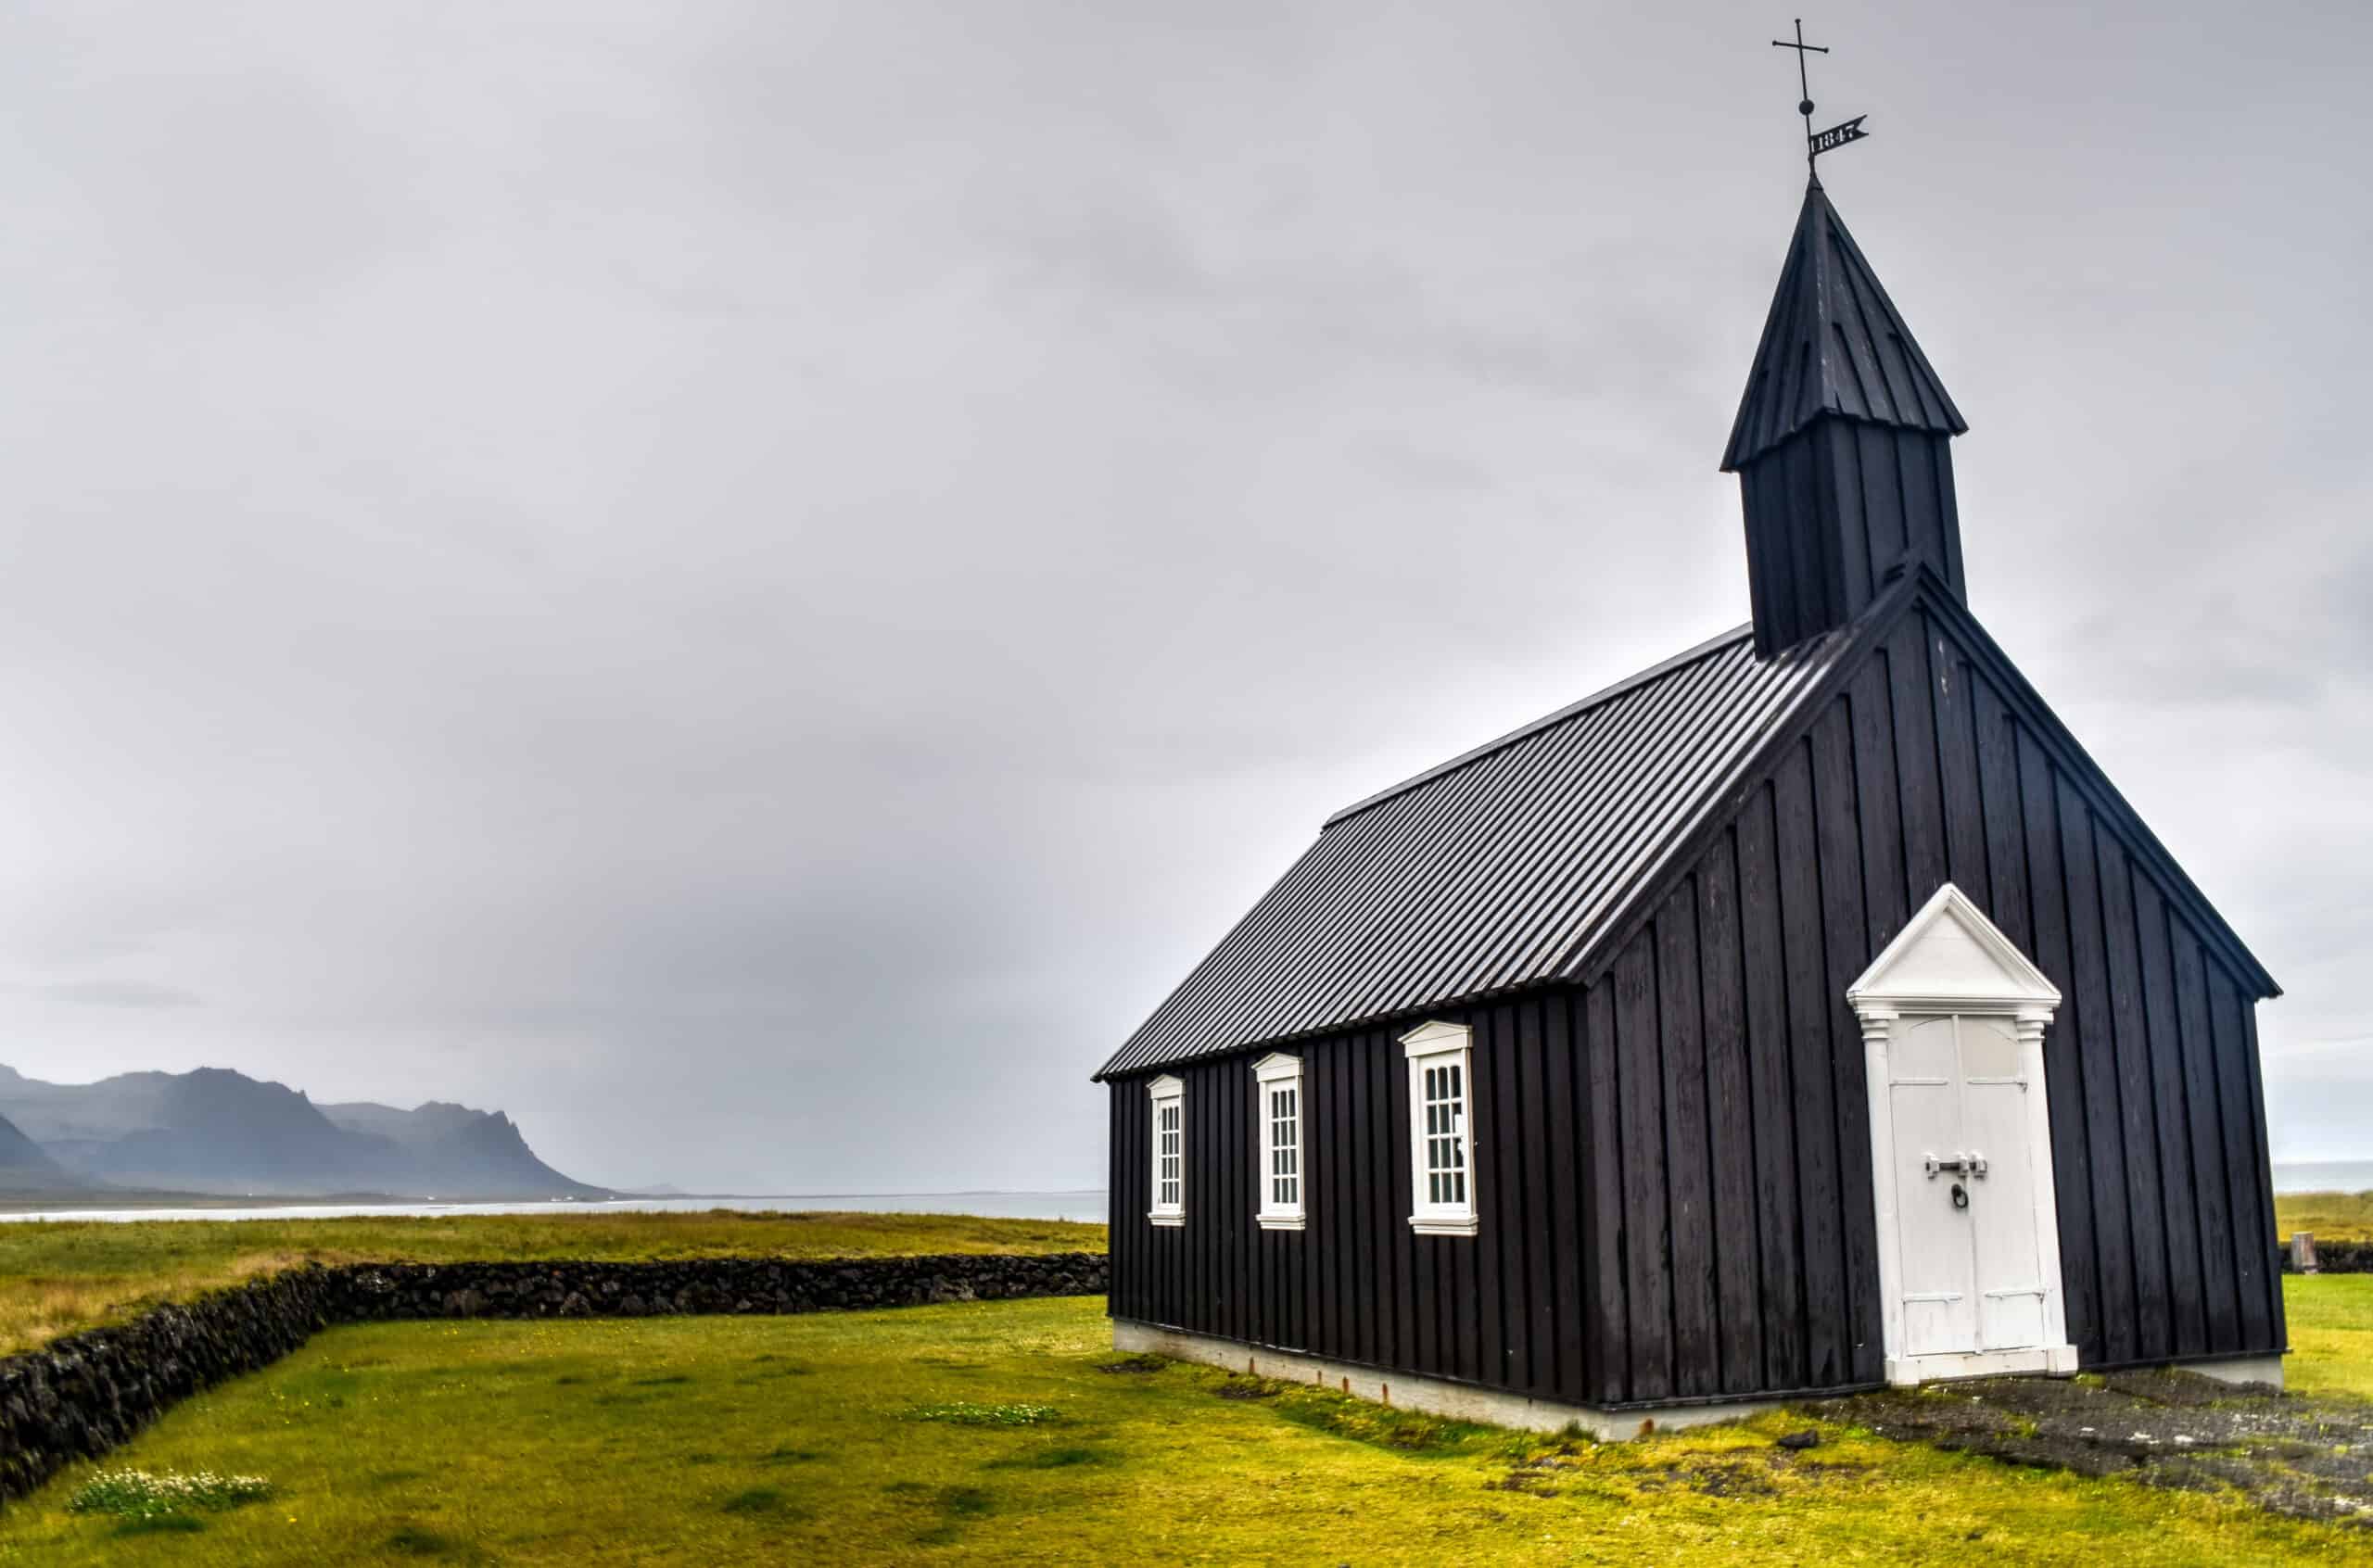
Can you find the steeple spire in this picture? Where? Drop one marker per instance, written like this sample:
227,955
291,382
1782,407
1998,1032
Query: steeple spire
1839,443
1833,344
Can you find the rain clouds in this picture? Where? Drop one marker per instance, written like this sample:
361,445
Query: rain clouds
753,584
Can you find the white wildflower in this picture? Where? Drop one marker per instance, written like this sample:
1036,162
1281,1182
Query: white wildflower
140,1494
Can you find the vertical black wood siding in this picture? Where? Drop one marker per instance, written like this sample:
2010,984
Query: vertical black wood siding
1918,773
1672,1165
1830,510
1507,1307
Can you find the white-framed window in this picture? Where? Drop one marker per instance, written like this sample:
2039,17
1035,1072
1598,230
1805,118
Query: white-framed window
1441,1139
1278,1082
1168,1097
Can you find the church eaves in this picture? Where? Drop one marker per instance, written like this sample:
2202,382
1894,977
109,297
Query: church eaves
1487,873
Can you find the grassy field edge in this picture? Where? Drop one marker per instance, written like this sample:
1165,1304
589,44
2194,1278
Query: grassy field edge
2325,1216
60,1277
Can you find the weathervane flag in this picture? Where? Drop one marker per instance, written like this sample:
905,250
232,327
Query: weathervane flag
1838,136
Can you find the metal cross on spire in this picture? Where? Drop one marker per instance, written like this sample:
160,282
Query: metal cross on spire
1817,142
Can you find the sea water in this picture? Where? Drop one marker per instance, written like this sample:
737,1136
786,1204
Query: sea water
2324,1176
1086,1205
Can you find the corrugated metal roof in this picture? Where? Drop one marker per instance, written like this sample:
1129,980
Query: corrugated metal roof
1489,871
1833,344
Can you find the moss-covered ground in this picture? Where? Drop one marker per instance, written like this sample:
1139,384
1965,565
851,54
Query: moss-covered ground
1008,1433
62,1275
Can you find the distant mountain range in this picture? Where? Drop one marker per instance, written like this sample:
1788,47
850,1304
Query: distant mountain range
25,1167
220,1132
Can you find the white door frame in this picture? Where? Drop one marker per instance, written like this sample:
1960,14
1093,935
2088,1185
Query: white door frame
1950,959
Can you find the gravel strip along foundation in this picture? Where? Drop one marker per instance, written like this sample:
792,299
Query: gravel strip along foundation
2292,1454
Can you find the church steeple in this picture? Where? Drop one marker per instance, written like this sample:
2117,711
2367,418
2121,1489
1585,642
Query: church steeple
1839,444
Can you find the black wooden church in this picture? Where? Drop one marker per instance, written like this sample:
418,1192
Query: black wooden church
1808,1012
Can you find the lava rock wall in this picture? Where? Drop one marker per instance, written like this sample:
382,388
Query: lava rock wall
2337,1258
78,1396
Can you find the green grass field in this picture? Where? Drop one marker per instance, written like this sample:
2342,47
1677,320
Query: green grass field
2331,1318
56,1276
1005,1433
2325,1216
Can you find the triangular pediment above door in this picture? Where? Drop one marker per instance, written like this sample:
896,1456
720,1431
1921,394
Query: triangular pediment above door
1948,957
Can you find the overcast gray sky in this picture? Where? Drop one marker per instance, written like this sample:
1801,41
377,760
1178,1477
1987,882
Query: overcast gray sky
753,584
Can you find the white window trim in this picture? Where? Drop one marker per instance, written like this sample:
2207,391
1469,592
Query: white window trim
1166,1091
1430,1044
1272,1071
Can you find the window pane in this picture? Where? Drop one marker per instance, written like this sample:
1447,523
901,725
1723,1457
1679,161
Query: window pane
1170,1164
1441,1133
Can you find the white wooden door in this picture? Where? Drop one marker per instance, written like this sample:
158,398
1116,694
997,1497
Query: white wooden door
1972,1260
1954,1018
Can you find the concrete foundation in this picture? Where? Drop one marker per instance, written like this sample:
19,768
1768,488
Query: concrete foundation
2249,1369
1462,1401
1458,1401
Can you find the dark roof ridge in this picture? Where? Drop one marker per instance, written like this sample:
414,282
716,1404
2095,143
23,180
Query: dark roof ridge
1850,644
1712,645
1479,881
1913,583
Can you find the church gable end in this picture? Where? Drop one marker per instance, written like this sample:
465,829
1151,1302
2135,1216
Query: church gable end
1933,761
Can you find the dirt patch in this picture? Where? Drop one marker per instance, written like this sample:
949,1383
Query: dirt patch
1740,1474
2303,1457
1530,1484
1556,1458
1734,1480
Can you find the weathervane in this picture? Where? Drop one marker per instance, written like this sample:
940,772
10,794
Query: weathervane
1817,142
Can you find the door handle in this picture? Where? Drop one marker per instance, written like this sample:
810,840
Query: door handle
1960,1195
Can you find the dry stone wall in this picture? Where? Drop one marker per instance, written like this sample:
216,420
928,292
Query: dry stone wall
2336,1257
78,1396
